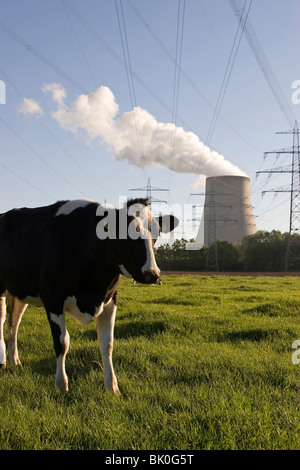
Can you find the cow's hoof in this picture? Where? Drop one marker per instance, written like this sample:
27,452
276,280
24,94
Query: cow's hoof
62,386
14,361
116,392
2,366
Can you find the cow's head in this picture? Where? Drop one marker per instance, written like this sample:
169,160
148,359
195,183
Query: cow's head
135,235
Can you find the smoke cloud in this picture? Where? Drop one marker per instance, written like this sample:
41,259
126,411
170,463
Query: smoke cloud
136,136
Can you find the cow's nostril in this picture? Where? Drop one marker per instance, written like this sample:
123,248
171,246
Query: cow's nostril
148,275
152,276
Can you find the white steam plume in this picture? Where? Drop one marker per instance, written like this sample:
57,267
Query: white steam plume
30,106
97,114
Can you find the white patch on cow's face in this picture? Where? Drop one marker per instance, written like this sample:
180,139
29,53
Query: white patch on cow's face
146,220
71,206
143,226
150,264
83,318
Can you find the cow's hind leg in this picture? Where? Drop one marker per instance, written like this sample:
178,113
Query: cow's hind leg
61,345
2,321
105,331
15,310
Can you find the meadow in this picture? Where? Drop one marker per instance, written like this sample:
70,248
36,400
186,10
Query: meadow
203,362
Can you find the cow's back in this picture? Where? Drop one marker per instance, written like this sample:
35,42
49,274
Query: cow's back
23,235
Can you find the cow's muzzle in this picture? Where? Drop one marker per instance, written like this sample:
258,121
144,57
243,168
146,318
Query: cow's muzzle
152,276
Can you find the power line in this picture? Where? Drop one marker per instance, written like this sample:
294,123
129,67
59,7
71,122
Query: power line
224,85
184,74
56,140
263,62
112,52
178,56
78,43
21,178
129,74
45,162
55,68
40,156
227,74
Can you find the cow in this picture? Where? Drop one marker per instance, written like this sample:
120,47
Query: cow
69,257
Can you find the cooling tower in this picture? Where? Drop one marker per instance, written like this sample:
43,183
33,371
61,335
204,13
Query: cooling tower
228,211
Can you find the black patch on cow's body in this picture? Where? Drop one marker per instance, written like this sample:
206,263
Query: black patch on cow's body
22,244
56,333
53,257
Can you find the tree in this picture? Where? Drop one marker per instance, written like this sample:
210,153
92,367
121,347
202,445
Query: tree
229,257
264,251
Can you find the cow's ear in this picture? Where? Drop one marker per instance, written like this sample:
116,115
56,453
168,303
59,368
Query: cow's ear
167,223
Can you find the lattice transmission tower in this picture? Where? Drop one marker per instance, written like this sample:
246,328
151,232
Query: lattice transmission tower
212,248
149,190
210,220
293,242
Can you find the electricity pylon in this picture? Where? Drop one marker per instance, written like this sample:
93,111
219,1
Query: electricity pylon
294,190
149,189
212,263
212,248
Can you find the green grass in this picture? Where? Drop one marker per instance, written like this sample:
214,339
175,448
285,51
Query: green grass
202,363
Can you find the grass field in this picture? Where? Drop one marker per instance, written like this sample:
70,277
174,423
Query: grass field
202,363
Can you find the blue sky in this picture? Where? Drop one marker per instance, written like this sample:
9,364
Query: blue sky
57,154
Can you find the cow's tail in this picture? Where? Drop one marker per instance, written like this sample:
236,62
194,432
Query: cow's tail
10,302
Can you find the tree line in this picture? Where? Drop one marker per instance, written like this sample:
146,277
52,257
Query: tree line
261,252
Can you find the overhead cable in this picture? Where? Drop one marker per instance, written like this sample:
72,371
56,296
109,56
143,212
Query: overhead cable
224,85
263,62
54,67
130,80
178,56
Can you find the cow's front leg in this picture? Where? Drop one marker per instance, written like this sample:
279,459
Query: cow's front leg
61,345
105,331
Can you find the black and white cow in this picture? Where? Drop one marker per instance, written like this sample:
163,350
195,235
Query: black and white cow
68,257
